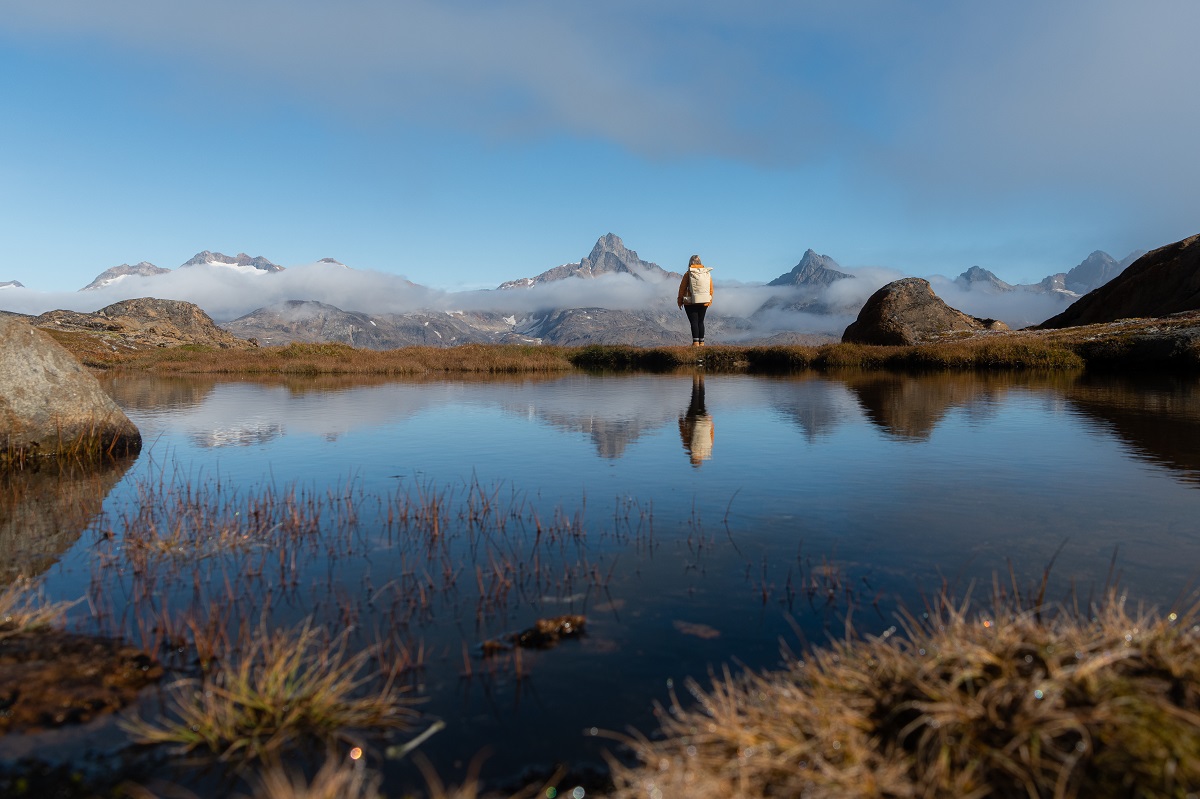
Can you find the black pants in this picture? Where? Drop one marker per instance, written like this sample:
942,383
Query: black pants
695,315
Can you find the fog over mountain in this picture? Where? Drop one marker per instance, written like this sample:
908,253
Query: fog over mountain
253,296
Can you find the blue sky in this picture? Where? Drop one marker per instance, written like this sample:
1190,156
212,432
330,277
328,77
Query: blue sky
462,143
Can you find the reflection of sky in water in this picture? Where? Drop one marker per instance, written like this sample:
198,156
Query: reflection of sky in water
901,481
930,473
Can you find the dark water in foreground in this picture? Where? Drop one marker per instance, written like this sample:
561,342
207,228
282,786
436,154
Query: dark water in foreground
696,521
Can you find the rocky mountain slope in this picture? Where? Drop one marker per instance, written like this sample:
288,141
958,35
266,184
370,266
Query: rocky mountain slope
1162,282
134,325
310,321
633,302
609,256
241,261
117,273
813,270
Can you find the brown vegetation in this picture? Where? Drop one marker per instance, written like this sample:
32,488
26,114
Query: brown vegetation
281,688
49,677
959,702
1168,342
341,359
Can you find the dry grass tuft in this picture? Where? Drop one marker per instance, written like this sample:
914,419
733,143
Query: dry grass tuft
963,703
21,610
337,779
285,687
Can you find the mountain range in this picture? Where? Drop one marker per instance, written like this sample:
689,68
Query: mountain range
534,310
1095,270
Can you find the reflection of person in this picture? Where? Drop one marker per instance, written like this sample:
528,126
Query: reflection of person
696,426
695,295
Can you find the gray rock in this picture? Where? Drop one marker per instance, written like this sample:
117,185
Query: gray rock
907,312
50,405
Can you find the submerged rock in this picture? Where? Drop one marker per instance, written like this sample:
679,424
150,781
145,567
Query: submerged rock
544,634
50,405
907,312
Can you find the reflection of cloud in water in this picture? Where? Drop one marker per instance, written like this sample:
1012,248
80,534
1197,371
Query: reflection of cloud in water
248,413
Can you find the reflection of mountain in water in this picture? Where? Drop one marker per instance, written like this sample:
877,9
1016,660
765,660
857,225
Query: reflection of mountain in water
43,513
816,405
611,436
613,413
151,392
246,435
909,407
1160,421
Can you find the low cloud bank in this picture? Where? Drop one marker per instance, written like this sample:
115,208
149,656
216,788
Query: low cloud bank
1017,308
227,294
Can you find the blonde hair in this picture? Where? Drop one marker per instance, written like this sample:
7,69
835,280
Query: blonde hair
694,260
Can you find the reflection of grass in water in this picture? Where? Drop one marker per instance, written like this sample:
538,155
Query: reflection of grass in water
187,568
1005,702
282,688
955,703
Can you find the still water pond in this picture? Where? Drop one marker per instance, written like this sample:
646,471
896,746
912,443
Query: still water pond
695,521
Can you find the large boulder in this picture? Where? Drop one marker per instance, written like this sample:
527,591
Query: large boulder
907,312
50,405
1161,282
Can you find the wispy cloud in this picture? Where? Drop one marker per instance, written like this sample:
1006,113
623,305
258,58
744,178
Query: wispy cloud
1044,89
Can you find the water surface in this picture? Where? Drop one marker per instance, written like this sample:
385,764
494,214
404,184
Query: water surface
695,520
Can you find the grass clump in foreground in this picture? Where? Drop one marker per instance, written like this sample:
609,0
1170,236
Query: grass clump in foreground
22,611
284,688
964,703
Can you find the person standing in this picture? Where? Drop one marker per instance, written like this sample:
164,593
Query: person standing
695,295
